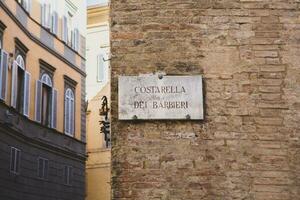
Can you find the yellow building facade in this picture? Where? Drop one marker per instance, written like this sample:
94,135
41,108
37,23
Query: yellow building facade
98,167
42,103
61,61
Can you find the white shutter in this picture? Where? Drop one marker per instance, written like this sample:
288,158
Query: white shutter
76,39
3,74
43,12
54,23
26,94
72,116
14,85
65,29
48,15
54,108
100,68
72,39
29,4
38,101
67,114
26,5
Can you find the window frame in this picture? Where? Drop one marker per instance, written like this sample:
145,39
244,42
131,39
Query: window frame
13,161
69,91
21,67
46,68
2,29
46,81
44,174
68,175
70,84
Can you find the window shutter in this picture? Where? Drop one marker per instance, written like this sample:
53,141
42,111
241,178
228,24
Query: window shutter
100,66
67,115
43,14
72,39
48,16
14,85
54,23
38,101
76,39
29,4
26,5
54,108
3,74
26,94
72,116
65,29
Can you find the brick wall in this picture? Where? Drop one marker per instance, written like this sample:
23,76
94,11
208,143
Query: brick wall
248,145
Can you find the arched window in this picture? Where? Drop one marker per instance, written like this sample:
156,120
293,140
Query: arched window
20,62
46,101
20,86
69,112
46,80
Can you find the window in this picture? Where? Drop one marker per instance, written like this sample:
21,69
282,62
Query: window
2,28
46,101
69,112
20,86
75,39
15,155
70,32
100,68
49,15
65,29
43,166
26,4
68,175
69,24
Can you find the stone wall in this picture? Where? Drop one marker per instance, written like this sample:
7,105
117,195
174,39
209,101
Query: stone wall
35,141
248,145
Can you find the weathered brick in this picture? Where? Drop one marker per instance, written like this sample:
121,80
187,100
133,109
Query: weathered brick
266,54
246,147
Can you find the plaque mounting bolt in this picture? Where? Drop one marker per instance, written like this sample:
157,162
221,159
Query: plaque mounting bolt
188,117
134,117
160,76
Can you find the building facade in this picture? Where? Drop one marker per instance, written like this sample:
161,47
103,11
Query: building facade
97,47
42,117
98,166
247,146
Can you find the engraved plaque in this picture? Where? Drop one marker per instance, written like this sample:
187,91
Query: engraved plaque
160,97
